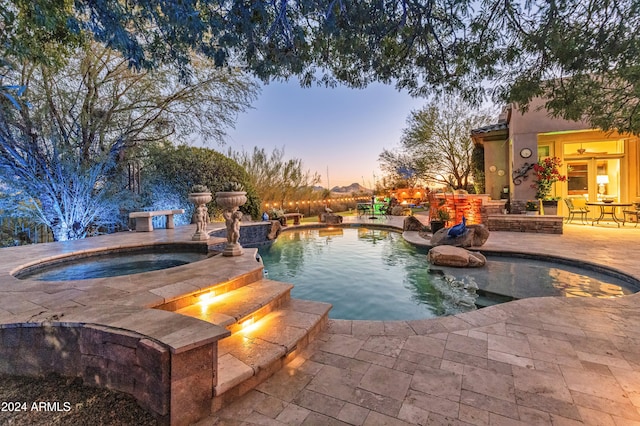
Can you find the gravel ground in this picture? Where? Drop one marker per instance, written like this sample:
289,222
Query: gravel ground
69,403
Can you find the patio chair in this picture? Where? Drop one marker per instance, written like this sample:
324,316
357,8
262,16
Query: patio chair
582,211
632,212
363,209
386,210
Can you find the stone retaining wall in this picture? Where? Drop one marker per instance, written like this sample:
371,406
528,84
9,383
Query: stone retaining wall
101,356
252,234
522,223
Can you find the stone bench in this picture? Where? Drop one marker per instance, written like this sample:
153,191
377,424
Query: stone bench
143,219
295,216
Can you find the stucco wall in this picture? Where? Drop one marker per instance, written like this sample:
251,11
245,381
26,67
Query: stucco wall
523,132
496,154
537,120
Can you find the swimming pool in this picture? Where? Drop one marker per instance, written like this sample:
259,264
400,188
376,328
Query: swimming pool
375,274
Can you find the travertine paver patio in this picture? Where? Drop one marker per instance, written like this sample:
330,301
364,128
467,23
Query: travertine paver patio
537,361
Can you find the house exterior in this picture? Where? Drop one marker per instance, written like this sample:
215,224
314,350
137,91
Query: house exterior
598,164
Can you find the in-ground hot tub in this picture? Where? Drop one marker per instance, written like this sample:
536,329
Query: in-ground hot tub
113,262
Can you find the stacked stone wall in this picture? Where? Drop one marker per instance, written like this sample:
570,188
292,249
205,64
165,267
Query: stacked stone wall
524,223
105,357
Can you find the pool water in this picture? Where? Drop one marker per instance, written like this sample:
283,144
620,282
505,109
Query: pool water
374,274
111,265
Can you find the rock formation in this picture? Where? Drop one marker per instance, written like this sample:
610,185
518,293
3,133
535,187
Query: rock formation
330,218
276,228
455,256
411,223
475,236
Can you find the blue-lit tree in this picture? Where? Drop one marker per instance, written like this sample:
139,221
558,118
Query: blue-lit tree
53,186
59,155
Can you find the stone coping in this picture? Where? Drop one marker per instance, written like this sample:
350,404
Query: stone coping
134,294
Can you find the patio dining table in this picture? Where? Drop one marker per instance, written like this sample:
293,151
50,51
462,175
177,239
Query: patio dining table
608,209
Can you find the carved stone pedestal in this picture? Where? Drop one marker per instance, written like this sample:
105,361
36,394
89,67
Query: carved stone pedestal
200,200
230,201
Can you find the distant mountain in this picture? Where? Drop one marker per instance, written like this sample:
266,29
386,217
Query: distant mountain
354,187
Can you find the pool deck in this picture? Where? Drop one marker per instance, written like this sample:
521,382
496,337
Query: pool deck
560,361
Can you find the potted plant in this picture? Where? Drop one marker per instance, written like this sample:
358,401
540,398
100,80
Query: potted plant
278,215
440,220
531,208
199,194
547,172
231,195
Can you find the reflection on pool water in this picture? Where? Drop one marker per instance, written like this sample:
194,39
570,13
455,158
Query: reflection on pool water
375,274
111,265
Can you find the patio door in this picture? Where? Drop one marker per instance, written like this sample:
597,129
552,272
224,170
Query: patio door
594,179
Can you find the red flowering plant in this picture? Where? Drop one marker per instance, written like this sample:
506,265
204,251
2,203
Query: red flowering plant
547,172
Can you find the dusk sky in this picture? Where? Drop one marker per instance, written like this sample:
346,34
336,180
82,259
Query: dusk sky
342,129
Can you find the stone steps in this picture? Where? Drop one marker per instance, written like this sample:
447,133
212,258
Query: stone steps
268,330
240,306
254,353
487,298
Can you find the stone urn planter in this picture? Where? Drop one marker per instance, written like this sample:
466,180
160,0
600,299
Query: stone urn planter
550,207
230,201
201,213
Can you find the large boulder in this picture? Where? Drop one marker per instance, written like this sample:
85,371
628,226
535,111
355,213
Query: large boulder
474,236
455,256
480,234
330,218
396,210
276,228
411,223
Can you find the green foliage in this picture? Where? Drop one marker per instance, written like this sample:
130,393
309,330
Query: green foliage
233,187
97,91
477,169
171,171
38,30
532,206
199,189
443,215
274,177
436,144
582,56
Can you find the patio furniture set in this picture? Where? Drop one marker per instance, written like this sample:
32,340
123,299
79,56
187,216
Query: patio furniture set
607,208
